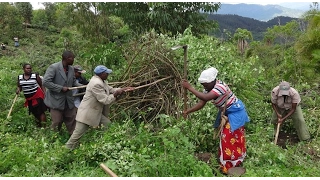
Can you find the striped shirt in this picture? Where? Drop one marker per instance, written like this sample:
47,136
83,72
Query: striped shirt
29,86
221,89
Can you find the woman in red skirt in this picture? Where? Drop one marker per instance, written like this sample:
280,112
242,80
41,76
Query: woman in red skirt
232,147
31,86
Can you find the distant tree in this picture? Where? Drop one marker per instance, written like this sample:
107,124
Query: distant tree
283,34
96,25
164,17
308,44
25,9
314,6
10,22
50,10
241,36
268,38
40,18
62,14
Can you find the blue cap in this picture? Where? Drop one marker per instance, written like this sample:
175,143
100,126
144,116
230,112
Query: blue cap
101,68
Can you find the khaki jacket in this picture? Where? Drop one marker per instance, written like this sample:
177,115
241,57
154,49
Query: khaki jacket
282,103
96,102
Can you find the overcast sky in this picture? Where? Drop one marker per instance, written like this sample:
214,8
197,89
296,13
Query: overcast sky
293,5
36,5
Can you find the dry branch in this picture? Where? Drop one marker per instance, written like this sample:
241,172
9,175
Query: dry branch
156,72
77,87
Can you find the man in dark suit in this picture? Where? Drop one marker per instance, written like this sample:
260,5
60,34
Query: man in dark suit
57,80
79,93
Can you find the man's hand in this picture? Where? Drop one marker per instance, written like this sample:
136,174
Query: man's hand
65,89
117,93
279,118
17,91
120,91
126,89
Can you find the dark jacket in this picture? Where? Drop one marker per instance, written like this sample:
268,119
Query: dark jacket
54,79
82,80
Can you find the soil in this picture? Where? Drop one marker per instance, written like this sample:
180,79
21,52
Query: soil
205,157
285,138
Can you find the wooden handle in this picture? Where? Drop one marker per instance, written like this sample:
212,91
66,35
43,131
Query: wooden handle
77,87
277,134
14,100
185,76
107,170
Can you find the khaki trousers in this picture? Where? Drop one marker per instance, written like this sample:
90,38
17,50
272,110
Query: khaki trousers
79,131
298,121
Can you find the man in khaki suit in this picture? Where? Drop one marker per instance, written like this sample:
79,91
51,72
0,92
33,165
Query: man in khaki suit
286,104
95,107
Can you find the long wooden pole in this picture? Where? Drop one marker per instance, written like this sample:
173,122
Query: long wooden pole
185,47
14,100
77,87
107,170
277,134
72,88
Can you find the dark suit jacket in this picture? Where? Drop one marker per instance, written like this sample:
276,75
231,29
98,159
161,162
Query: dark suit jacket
54,79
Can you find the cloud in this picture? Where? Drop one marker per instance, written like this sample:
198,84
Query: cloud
37,5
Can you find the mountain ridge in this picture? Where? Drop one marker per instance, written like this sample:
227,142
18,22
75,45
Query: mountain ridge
230,23
259,12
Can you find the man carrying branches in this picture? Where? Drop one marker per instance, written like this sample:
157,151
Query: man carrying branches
95,107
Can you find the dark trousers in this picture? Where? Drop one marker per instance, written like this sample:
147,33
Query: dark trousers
66,116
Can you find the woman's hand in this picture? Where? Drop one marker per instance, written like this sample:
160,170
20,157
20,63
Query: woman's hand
185,84
185,114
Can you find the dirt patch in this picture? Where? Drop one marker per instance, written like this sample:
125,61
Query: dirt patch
291,139
285,138
205,157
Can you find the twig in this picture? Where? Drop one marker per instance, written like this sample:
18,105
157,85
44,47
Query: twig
135,88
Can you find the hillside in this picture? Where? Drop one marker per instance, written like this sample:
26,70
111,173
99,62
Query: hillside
256,27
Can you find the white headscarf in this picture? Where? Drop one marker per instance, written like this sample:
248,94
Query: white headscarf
208,75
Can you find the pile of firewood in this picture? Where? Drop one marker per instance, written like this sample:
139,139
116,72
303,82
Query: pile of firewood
156,72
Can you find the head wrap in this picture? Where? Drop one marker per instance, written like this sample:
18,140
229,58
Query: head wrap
208,75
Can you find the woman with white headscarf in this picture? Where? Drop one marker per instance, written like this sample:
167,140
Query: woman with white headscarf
232,148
